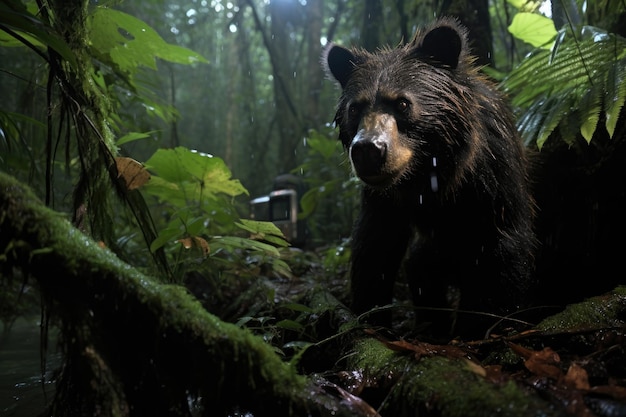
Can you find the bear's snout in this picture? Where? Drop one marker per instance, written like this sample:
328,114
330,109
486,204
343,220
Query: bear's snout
368,156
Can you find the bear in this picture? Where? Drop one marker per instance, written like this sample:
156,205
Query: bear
445,196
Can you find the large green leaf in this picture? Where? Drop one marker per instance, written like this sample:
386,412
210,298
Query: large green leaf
131,44
194,172
537,30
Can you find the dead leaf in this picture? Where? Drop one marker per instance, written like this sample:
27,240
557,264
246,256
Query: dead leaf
134,173
540,362
195,242
577,377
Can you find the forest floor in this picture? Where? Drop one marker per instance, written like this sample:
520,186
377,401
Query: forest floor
572,362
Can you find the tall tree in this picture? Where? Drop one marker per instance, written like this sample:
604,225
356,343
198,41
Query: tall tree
370,36
285,17
313,73
474,14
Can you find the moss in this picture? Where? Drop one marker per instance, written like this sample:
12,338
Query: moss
596,312
442,386
91,287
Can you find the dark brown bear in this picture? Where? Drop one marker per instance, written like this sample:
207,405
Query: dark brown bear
444,174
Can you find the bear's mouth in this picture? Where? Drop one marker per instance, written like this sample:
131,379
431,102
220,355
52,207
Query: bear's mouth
376,180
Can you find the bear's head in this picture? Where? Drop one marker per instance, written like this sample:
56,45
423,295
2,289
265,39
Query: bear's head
402,111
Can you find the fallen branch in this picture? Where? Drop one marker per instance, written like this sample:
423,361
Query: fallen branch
135,346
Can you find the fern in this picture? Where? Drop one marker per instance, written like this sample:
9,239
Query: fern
570,86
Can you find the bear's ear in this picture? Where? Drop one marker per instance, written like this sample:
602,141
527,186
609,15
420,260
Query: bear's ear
339,63
442,45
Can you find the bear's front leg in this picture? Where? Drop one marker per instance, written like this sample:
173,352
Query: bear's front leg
379,242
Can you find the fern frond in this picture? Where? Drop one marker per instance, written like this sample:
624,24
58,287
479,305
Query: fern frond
556,106
615,94
590,107
582,76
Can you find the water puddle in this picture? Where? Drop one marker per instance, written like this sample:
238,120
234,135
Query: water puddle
21,388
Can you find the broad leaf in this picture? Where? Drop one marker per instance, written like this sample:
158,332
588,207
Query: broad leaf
130,43
194,173
537,30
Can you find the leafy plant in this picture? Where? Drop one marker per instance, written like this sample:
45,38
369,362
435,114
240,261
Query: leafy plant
195,194
570,86
533,28
86,65
331,199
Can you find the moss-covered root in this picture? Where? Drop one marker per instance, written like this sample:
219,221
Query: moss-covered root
603,311
445,386
133,346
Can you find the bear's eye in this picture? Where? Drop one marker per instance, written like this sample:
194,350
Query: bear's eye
402,105
354,109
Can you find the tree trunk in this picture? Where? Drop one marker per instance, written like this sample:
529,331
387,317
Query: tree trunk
474,15
314,73
370,34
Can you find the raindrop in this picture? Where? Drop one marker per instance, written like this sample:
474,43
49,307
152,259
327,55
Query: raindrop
434,161
434,185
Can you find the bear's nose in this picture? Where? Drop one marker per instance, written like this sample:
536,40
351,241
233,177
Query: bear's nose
368,156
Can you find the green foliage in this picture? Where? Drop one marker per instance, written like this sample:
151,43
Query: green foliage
124,48
130,44
337,258
21,26
331,200
195,193
570,86
525,5
120,47
199,177
533,28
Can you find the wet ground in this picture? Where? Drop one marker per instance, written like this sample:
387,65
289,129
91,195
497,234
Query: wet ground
21,383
